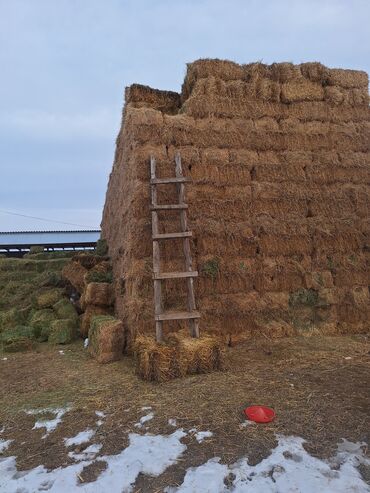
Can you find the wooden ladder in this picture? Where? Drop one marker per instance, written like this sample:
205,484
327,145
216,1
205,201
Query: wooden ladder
191,314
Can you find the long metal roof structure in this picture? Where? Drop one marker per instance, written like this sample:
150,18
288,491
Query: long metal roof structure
24,240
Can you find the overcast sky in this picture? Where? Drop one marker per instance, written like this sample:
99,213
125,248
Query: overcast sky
64,65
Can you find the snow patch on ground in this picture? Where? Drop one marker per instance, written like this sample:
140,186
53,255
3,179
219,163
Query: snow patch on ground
172,422
146,454
100,415
289,468
4,444
49,424
208,477
88,454
82,437
201,435
247,423
143,420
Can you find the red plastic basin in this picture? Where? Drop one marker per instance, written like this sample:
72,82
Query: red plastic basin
260,414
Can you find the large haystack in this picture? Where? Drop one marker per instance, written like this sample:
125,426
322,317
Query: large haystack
279,205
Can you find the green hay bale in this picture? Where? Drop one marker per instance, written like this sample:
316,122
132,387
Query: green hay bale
48,298
51,279
13,317
306,297
26,277
36,249
64,309
63,331
211,268
18,338
98,276
41,321
49,265
101,248
8,264
50,255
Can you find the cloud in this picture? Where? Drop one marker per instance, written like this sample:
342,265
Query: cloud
65,64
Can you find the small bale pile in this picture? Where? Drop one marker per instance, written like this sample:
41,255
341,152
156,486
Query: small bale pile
97,299
91,276
178,356
33,287
106,339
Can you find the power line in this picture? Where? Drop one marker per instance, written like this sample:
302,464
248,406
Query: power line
44,219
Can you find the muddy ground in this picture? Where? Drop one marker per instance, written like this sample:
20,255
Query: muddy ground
318,386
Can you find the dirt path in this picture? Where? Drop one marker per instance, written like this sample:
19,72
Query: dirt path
319,387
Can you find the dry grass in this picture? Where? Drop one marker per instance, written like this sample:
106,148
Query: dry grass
316,392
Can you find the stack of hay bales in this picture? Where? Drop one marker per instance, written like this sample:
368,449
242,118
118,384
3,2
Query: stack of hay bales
91,277
279,205
34,303
56,318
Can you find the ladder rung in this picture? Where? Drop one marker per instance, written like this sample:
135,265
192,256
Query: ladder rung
168,236
168,207
177,316
175,275
161,181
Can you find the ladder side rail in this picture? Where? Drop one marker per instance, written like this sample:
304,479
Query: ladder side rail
158,307
194,323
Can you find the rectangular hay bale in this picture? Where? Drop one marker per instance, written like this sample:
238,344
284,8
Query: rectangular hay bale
178,356
106,339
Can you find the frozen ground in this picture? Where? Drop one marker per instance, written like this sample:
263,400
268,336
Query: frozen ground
288,468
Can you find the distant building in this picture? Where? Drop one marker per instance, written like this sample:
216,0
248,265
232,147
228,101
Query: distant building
17,243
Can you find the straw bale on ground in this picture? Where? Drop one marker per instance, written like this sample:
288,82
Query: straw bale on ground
90,312
63,331
106,339
180,355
